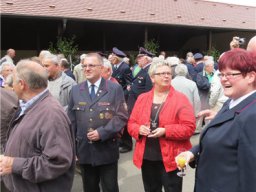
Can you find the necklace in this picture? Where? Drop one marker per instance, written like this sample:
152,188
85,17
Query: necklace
153,122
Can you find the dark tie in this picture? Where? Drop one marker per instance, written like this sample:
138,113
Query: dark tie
115,67
92,95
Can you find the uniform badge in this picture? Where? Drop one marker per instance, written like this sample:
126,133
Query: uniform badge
108,115
103,103
82,103
101,115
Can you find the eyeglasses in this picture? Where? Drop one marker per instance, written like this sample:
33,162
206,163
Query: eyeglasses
228,75
90,65
163,74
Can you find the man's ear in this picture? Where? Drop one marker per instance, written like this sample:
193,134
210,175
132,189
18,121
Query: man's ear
23,84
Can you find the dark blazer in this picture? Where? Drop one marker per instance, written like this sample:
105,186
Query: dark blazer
123,75
140,84
226,154
199,67
9,105
107,113
191,71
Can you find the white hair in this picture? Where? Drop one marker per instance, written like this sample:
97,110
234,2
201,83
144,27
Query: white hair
208,62
53,58
181,70
43,53
5,64
172,61
107,64
82,56
156,64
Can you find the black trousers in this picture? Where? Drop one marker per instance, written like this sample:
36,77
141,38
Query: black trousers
106,175
155,177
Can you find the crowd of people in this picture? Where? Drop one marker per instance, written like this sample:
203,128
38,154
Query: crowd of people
54,118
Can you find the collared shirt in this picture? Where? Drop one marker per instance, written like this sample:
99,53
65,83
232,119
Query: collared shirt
96,85
209,76
234,103
26,105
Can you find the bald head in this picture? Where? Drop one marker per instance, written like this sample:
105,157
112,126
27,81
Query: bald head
11,53
252,44
33,74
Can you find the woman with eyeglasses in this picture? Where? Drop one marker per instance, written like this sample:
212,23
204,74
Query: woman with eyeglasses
226,155
162,122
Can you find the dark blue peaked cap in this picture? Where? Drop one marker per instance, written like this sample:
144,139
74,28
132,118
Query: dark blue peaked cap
118,52
198,56
144,51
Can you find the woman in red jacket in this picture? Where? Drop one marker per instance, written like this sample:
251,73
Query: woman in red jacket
162,122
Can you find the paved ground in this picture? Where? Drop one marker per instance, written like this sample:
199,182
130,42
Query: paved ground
130,177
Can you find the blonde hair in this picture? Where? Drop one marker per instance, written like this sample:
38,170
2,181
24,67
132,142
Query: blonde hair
156,64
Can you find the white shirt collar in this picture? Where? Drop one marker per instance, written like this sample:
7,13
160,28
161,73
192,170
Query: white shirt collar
97,83
234,103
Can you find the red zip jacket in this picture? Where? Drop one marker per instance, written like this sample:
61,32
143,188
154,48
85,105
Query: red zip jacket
176,116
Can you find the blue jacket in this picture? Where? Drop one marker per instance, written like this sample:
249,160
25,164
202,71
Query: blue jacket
140,84
123,75
226,154
107,113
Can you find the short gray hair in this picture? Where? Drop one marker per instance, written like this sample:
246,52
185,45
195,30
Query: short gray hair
53,58
36,79
106,63
173,61
208,62
181,70
4,65
156,64
96,55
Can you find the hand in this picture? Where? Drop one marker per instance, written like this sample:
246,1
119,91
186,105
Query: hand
158,132
144,130
208,114
93,135
6,165
188,155
128,87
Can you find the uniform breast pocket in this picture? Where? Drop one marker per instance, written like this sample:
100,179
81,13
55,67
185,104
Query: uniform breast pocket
106,113
79,111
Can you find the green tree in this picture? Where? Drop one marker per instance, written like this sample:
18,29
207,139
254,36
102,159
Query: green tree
152,45
213,52
65,46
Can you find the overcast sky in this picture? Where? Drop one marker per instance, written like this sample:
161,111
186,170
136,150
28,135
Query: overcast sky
240,2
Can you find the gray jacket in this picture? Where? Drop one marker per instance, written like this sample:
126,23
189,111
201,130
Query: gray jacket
42,143
66,85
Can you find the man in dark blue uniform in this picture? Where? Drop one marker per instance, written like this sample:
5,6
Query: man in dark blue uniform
123,74
98,113
141,82
121,70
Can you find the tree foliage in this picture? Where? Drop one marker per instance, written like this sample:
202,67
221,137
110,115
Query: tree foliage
152,45
65,46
